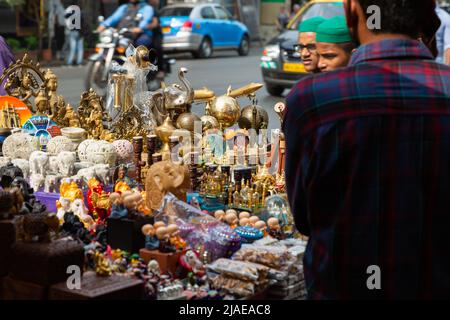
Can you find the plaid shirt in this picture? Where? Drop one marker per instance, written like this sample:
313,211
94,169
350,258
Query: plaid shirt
368,173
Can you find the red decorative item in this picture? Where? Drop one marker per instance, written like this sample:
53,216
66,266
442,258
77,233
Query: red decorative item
98,200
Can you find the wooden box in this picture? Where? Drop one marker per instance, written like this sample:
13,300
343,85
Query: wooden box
126,234
93,287
46,263
168,262
14,289
7,240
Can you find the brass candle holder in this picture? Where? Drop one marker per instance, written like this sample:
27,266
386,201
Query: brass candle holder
118,80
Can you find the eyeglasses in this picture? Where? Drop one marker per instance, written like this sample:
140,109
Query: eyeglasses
310,47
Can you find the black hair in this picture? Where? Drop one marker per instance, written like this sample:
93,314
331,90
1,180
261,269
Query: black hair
408,17
348,47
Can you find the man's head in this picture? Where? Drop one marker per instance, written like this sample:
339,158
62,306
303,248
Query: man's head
296,8
397,19
334,44
307,43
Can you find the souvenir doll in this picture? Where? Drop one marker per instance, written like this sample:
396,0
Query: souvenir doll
175,238
261,226
118,210
275,229
151,241
231,219
220,215
164,243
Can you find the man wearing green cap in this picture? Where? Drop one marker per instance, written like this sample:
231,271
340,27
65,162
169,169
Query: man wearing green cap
334,44
307,43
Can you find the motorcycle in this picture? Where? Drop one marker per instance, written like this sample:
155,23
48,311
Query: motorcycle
112,46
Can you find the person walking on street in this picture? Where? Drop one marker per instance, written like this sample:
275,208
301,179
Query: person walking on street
282,19
367,162
75,39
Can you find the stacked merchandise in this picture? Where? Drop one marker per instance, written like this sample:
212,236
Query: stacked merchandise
284,260
238,278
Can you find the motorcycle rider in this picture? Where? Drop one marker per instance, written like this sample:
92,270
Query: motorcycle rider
124,17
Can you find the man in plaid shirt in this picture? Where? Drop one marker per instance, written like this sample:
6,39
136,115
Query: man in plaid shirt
368,162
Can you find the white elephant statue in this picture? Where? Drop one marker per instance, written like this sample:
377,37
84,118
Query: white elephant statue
66,163
24,165
82,165
86,174
37,181
38,163
53,167
102,171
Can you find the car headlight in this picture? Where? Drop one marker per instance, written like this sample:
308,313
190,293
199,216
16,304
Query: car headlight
272,51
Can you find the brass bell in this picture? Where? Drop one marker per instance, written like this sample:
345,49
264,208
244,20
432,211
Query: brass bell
253,117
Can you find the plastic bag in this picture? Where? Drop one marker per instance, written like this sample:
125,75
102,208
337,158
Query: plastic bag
202,232
246,271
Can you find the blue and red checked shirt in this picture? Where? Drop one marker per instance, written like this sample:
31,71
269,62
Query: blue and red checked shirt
368,174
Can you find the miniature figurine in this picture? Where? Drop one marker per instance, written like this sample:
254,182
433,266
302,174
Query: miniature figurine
153,268
275,229
244,214
175,238
151,241
121,180
220,215
132,202
261,226
42,104
231,219
97,201
102,266
253,220
244,222
159,224
164,243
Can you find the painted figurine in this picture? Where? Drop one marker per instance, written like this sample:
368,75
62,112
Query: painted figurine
164,243
121,180
151,241
118,209
175,238
96,200
275,229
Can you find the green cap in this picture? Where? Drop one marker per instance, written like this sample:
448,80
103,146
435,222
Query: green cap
311,25
333,30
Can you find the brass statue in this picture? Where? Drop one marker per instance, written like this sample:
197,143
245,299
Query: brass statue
42,103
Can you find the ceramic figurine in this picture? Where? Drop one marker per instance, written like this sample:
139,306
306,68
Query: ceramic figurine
153,268
191,262
275,229
159,224
164,243
118,209
132,202
261,226
244,222
38,162
66,163
244,214
231,219
220,215
81,211
151,241
97,200
253,220
37,181
121,180
175,239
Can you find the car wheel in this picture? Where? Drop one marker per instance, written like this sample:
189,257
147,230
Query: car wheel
275,90
205,51
244,47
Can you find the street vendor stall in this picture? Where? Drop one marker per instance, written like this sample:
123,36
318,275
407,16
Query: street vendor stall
146,198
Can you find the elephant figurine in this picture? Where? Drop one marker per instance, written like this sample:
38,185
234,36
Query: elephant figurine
66,163
39,163
38,227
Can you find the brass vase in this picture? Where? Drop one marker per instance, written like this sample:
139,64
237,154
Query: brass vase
164,132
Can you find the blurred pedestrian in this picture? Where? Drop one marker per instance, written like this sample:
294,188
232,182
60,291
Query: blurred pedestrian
367,162
295,9
75,38
334,44
158,36
282,19
6,58
307,43
443,37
